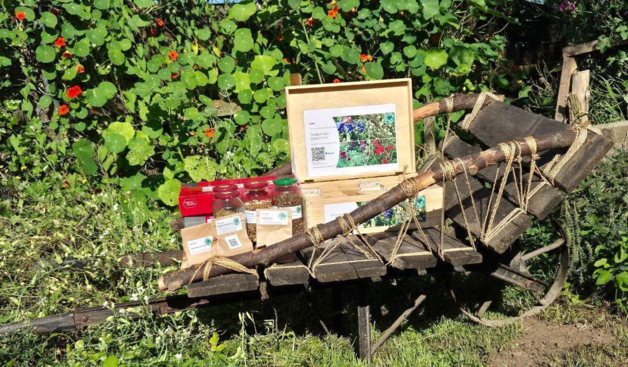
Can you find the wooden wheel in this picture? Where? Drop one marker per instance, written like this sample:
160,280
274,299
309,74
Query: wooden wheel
517,273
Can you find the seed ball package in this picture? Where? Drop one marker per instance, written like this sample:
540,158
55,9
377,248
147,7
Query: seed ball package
199,244
273,226
231,235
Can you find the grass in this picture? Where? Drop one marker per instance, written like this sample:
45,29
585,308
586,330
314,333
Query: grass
60,250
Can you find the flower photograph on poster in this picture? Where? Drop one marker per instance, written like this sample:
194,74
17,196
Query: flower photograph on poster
367,140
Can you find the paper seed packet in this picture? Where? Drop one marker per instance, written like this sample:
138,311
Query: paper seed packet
273,226
199,244
231,235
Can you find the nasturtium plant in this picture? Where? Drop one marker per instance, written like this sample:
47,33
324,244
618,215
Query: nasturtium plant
152,93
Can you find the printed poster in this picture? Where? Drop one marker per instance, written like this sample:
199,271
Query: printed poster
351,140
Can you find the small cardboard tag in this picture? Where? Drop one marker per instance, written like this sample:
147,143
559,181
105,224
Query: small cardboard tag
199,244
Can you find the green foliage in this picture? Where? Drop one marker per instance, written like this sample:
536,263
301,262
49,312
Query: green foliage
155,72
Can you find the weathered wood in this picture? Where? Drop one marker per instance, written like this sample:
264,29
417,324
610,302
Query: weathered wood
455,251
580,88
588,47
540,204
287,274
618,133
231,283
50,324
429,136
411,255
344,263
499,122
364,323
175,280
569,66
388,332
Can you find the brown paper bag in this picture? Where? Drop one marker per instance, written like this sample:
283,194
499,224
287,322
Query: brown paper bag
199,244
231,235
273,226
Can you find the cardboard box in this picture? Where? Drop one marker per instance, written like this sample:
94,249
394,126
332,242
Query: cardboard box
350,143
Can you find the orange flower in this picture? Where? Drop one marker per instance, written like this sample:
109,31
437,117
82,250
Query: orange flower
160,22
286,60
60,42
209,133
309,22
363,69
336,80
333,12
74,91
63,109
363,57
20,15
67,55
55,11
174,55
174,76
242,128
80,69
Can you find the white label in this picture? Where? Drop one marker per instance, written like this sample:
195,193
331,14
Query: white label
200,245
207,189
249,216
272,217
296,211
311,192
233,242
365,185
351,140
228,225
333,211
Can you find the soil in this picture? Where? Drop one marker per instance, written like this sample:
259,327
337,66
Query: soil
541,340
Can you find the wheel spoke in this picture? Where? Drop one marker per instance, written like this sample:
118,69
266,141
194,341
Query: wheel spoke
559,242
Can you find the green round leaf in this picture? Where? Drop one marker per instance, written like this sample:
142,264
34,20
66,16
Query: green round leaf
435,58
265,64
45,54
228,26
116,57
242,11
101,4
169,192
276,83
82,48
45,101
48,19
108,89
226,81
203,34
245,97
200,168
272,127
140,151
115,143
243,40
226,64
374,70
143,3
242,117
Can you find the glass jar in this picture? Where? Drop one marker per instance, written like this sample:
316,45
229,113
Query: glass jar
255,197
227,203
287,195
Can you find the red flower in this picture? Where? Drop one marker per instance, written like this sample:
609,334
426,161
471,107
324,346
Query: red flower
333,12
390,147
160,22
209,133
243,127
153,32
376,142
174,55
363,58
55,11
80,69
174,76
385,161
60,42
67,55
336,80
280,37
435,38
309,22
63,109
74,91
20,15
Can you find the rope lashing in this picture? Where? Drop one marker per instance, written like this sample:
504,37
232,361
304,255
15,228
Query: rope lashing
225,262
476,109
449,103
582,129
464,214
315,236
449,174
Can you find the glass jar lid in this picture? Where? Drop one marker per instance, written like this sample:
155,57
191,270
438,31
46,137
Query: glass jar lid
227,195
256,185
225,188
285,181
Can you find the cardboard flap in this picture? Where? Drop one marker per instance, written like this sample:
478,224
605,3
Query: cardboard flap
351,130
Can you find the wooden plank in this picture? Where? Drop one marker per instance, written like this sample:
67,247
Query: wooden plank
540,204
412,254
585,48
569,66
287,274
455,251
344,263
580,88
498,123
230,283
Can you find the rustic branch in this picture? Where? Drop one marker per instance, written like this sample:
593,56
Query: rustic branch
472,163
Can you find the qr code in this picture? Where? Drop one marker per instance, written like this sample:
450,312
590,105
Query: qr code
233,242
318,154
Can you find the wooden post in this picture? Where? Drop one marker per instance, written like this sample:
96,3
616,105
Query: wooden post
429,136
364,323
569,66
580,88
